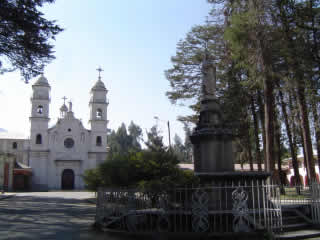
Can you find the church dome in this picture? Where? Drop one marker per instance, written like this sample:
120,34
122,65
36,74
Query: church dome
64,108
42,81
99,86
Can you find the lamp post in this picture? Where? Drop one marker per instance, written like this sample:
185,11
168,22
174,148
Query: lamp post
168,124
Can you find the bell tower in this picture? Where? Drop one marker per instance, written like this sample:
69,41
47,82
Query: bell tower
39,118
98,115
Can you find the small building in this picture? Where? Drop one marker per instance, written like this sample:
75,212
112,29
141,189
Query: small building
7,161
302,170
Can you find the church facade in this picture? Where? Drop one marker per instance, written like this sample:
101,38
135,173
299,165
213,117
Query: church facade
59,155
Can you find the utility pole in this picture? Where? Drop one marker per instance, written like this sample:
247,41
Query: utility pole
168,124
169,134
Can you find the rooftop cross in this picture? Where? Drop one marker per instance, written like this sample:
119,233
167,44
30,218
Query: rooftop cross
64,99
99,69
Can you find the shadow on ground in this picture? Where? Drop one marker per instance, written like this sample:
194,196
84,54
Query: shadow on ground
29,217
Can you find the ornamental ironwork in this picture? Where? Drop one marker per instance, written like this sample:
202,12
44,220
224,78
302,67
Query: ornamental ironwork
200,213
240,210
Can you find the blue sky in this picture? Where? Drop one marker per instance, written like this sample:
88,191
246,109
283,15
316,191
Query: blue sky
132,40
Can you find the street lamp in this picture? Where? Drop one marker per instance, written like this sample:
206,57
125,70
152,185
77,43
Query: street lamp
168,124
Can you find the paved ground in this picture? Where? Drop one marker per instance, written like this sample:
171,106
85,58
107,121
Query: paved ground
48,215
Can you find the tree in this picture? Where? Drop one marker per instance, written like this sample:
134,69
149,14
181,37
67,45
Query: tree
178,148
187,143
120,142
25,37
92,179
135,133
151,171
262,48
185,74
155,140
297,44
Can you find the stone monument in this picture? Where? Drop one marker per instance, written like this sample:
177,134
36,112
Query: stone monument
212,138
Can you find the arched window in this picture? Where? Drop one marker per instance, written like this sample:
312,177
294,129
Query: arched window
99,113
14,145
40,109
99,141
38,139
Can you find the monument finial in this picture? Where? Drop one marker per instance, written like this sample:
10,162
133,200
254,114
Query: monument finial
209,75
99,69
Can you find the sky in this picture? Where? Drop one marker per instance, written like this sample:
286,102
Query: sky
132,40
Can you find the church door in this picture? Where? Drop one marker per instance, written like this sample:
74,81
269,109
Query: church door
67,179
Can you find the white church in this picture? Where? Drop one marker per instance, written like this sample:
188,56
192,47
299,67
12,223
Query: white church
56,157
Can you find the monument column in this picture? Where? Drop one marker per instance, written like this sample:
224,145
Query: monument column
212,138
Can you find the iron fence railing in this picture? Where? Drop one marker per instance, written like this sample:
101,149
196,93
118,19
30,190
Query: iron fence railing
303,200
212,209
315,209
295,195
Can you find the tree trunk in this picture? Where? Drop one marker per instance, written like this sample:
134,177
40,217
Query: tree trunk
249,151
261,117
295,61
316,122
281,174
317,132
256,133
277,142
306,132
304,158
268,116
247,141
295,164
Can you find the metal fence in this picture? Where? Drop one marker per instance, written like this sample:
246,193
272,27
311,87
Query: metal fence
304,201
315,209
210,209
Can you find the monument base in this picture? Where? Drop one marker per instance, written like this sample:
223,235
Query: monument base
226,185
232,178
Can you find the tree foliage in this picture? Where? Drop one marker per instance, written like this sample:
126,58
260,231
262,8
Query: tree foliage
149,169
122,142
267,58
25,37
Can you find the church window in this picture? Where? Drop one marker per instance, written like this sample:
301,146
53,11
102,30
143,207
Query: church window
68,142
38,139
14,145
82,138
40,109
99,141
69,129
99,113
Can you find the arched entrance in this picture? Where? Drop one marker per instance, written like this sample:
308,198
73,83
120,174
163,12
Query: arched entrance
67,179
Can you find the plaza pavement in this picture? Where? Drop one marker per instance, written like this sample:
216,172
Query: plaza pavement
48,215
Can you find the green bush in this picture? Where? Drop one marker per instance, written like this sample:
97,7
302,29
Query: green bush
148,170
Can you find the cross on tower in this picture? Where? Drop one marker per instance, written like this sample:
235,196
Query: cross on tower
64,99
99,69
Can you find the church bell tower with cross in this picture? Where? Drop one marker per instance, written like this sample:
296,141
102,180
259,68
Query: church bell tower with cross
39,118
98,115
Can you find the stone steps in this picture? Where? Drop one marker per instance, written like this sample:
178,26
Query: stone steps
300,234
296,226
